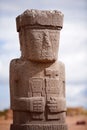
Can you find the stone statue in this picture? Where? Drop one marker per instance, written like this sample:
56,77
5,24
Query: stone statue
37,80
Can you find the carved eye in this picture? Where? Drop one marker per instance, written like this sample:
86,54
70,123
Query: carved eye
38,36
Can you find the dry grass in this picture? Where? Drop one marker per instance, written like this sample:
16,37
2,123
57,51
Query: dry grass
76,111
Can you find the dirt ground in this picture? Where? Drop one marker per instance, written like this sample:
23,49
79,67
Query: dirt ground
5,124
71,121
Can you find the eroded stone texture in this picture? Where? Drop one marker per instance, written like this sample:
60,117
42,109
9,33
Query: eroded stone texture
37,81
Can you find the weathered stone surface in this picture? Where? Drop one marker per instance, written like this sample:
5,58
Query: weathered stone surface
40,18
37,81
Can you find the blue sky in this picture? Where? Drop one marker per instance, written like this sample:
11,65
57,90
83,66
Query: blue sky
73,45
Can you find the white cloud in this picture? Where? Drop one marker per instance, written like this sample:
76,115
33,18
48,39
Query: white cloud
7,28
5,6
73,36
9,51
74,95
73,51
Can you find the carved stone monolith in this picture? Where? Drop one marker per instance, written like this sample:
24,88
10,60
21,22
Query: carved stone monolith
37,80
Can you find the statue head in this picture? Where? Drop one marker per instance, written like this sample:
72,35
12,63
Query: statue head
39,33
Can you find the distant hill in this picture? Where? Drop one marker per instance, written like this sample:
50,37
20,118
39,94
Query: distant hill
71,111
6,114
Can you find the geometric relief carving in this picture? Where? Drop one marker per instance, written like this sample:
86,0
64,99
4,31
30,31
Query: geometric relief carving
52,105
36,85
48,72
52,116
52,86
48,96
38,116
37,104
51,73
55,105
57,116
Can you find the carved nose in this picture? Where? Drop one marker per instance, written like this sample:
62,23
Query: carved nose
47,40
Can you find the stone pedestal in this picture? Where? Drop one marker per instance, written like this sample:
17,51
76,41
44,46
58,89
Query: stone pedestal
37,81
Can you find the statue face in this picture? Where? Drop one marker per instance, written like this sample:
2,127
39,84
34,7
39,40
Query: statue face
40,44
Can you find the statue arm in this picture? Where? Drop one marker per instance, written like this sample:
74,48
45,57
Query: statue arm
13,81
